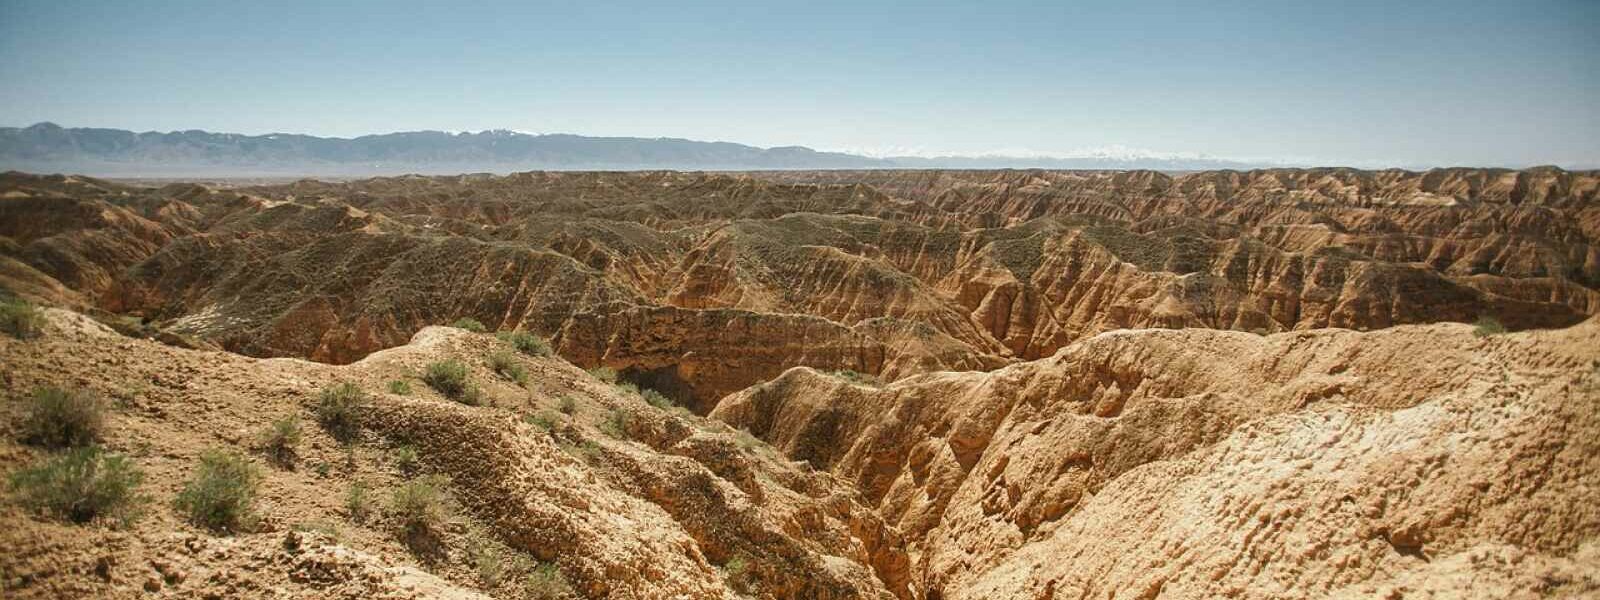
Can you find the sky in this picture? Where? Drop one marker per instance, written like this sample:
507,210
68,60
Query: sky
1422,83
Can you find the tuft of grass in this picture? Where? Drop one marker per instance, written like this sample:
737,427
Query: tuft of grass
505,364
487,558
422,506
857,378
448,377
82,485
358,501
656,399
405,458
1487,326
541,420
281,440
545,582
526,343
327,528
584,451
400,387
469,324
606,374
340,409
57,418
21,319
738,575
222,495
567,405
616,424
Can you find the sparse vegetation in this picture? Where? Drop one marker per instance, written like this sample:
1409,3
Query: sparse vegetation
400,387
329,529
448,377
21,319
82,485
606,374
469,324
405,458
541,420
222,495
567,405
486,557
358,501
505,364
340,409
1487,326
526,343
422,506
738,575
857,378
656,399
546,582
584,451
57,418
616,424
281,440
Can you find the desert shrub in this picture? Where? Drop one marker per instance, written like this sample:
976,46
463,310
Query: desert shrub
82,485
405,458
616,424
567,405
526,343
358,501
545,582
656,399
400,387
21,319
542,421
857,378
448,377
487,558
506,365
738,575
281,440
469,324
1487,326
329,529
57,418
339,410
606,374
422,506
584,451
222,495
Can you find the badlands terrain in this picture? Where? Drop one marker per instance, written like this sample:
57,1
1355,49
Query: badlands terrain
814,384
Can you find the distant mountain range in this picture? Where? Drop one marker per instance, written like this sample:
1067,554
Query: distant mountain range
49,148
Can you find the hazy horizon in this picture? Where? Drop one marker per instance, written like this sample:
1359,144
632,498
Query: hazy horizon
1502,84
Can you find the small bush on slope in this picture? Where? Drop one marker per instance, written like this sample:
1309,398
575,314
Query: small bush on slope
606,374
281,440
507,366
1487,326
57,418
222,495
21,319
82,485
422,506
339,410
526,343
400,387
448,377
469,324
358,501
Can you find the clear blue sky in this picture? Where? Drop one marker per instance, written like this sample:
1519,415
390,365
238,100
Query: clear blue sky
1414,83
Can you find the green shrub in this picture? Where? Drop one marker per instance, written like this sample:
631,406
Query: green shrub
567,405
656,399
616,424
222,495
282,439
405,458
57,418
486,557
21,319
526,343
738,575
606,374
1487,326
448,377
856,377
358,501
82,485
422,506
546,582
542,421
340,410
469,324
400,387
506,365
329,529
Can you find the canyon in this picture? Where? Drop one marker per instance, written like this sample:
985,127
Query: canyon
911,384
